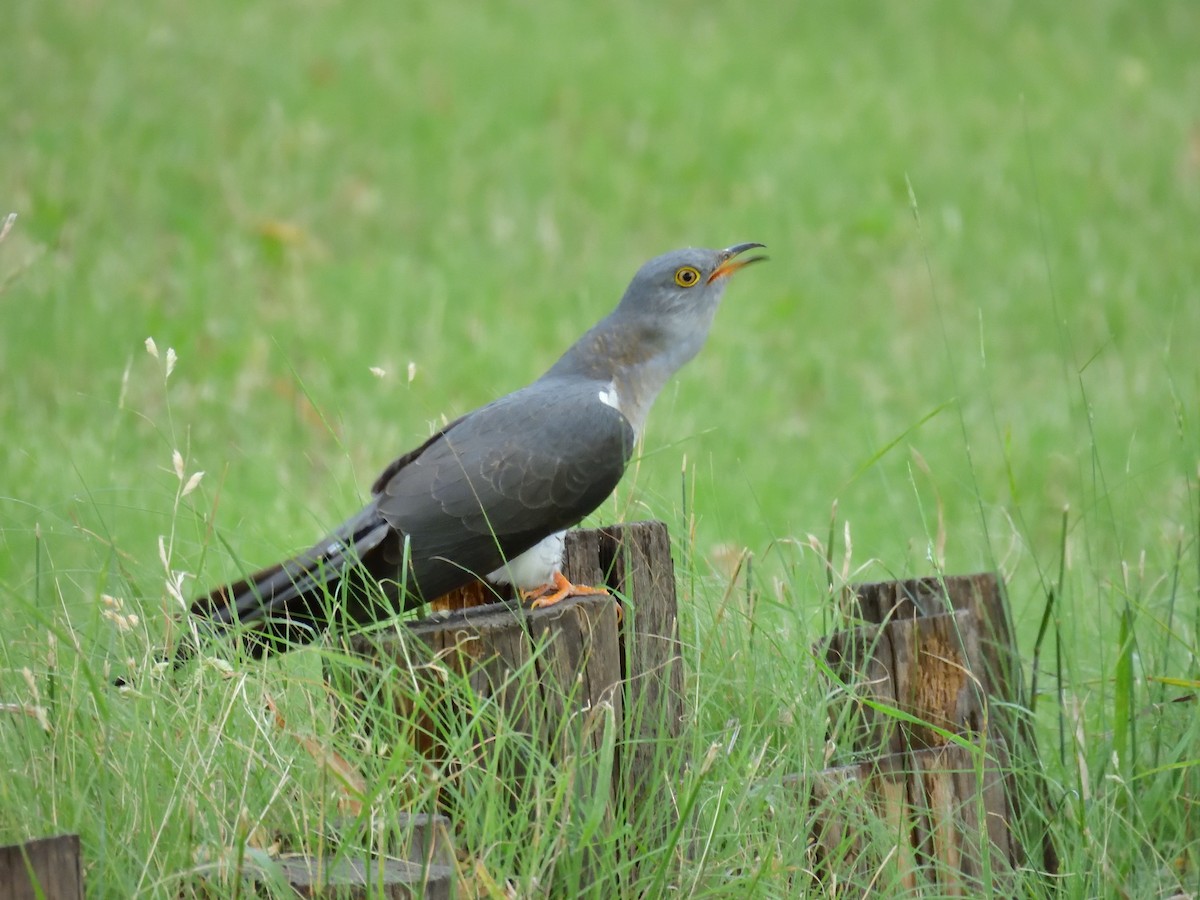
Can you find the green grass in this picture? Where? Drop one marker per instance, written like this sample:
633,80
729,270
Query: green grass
290,194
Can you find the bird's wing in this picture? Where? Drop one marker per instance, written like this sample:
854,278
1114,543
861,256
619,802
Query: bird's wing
499,480
401,461
481,491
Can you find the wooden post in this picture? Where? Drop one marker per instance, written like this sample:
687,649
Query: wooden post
582,659
48,868
983,595
923,667
936,698
634,562
936,816
589,673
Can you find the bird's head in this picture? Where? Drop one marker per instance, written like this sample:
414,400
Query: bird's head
676,295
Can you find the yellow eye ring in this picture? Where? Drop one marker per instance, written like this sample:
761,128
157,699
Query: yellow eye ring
686,276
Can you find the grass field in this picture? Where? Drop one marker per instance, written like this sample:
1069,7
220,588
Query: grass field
980,321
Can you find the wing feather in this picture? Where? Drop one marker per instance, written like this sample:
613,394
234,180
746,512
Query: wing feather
499,480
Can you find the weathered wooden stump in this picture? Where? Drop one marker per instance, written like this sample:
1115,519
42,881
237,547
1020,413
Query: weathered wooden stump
935,816
634,562
568,654
995,665
925,668
933,697
593,694
47,868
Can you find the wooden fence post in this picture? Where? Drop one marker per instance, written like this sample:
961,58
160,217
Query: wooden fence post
935,698
592,673
49,868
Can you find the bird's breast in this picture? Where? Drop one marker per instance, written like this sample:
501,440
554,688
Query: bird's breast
535,567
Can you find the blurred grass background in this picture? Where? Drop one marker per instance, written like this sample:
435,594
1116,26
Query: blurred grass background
289,194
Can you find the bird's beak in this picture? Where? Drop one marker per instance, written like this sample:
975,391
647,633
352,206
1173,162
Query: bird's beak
729,265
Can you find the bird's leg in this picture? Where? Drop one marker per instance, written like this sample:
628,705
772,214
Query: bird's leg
561,588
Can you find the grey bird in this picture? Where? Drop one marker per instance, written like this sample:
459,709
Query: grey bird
491,494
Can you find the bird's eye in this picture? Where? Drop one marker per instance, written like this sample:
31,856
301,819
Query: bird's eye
686,276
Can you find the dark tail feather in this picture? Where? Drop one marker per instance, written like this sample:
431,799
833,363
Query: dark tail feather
289,603
273,607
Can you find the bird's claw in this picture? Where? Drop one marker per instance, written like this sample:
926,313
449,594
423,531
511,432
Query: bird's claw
558,589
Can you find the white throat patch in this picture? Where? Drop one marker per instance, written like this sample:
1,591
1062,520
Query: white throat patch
609,397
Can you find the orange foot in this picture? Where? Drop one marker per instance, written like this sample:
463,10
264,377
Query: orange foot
560,589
